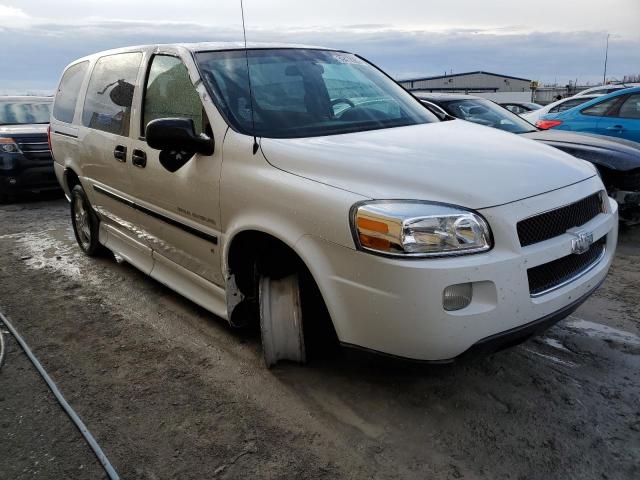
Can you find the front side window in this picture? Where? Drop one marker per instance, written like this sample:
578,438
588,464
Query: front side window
107,106
19,113
67,96
170,94
601,109
303,92
631,107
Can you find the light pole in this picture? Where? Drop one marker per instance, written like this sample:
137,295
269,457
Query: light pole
606,56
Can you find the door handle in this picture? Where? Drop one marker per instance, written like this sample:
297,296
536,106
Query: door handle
120,153
615,127
139,158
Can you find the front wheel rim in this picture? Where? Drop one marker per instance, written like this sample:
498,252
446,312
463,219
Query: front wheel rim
81,222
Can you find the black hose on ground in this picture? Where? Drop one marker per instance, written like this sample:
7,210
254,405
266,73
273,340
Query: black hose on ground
111,472
1,349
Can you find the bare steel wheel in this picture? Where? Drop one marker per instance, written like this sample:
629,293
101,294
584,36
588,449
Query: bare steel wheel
85,223
81,222
281,320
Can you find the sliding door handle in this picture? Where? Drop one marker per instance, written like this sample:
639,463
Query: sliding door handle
139,158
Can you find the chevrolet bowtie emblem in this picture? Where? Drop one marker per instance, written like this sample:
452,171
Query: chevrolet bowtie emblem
581,242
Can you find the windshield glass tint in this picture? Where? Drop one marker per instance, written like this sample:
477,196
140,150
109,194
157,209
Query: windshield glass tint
303,93
16,113
488,113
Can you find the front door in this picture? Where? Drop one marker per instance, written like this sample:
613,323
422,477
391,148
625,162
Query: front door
180,210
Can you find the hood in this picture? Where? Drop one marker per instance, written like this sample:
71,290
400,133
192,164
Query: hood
25,129
614,153
453,162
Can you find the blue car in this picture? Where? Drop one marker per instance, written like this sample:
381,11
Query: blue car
616,115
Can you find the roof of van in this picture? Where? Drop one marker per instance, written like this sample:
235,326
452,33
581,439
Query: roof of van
26,98
203,47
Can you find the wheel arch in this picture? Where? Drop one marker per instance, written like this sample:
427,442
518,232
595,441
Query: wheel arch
240,254
71,179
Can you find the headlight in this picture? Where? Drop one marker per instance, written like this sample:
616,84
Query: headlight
418,229
8,145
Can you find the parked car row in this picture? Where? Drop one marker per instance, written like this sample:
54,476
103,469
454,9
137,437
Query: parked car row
617,160
606,89
532,115
616,115
556,107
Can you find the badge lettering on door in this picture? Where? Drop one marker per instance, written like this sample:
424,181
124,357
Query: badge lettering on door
582,241
196,216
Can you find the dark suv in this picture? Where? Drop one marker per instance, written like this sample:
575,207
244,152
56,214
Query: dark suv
25,157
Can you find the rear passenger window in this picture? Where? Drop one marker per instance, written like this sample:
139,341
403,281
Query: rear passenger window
107,106
68,91
170,93
601,109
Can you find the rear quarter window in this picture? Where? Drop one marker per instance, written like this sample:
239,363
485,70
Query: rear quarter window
68,92
107,105
631,107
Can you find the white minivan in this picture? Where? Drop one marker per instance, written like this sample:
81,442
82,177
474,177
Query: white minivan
302,188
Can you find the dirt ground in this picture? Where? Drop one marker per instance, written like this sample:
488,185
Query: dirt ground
170,391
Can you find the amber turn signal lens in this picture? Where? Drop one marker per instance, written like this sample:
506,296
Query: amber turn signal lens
373,242
373,225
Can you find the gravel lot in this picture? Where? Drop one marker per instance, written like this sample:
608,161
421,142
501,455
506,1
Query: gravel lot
170,391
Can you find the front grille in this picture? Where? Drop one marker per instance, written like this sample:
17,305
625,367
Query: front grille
549,276
34,147
556,222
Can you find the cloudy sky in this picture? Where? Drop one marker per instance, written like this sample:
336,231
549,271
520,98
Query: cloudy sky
546,40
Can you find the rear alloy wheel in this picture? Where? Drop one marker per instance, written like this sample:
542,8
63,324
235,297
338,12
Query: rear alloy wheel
281,320
85,222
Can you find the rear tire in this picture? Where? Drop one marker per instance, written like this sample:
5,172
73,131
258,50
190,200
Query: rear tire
281,325
86,225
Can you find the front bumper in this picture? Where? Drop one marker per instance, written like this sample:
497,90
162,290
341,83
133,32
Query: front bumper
394,306
20,174
627,198
502,340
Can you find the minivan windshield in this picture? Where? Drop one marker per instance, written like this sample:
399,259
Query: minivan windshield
305,93
18,113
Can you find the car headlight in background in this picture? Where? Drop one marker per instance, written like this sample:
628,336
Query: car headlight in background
418,229
8,145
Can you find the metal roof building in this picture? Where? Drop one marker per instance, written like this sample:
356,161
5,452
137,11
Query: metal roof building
468,82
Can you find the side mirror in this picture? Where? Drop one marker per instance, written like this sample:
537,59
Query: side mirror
177,141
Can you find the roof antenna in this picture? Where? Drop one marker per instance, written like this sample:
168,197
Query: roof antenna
246,53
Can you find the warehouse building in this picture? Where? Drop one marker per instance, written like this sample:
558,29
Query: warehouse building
468,82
